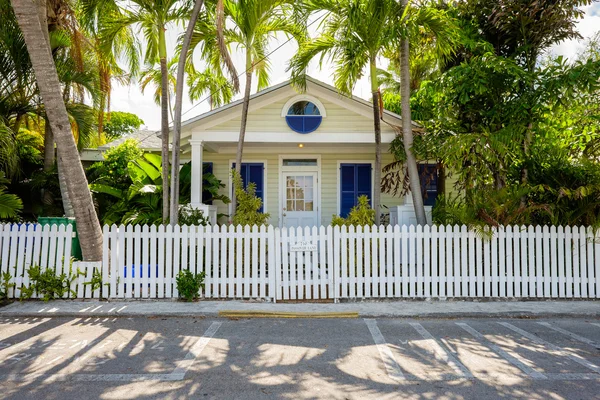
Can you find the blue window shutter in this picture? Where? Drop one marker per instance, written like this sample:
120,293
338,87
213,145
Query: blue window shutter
206,196
254,172
355,181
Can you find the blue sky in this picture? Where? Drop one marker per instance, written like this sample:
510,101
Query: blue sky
131,99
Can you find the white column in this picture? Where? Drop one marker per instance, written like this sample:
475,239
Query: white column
197,171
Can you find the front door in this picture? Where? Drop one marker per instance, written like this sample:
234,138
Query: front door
300,206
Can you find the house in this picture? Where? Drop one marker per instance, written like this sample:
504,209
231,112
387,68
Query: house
310,154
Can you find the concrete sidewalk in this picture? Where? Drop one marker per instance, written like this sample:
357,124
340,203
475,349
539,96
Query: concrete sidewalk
391,309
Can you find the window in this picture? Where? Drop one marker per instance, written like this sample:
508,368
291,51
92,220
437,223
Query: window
303,117
207,168
300,163
429,179
254,172
355,181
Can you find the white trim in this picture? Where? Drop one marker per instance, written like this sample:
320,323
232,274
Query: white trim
274,137
339,183
283,170
249,160
304,97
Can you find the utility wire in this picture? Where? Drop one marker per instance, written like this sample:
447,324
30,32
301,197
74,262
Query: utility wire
261,60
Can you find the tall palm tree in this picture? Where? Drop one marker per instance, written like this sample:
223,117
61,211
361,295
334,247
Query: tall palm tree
30,21
355,34
249,25
185,46
153,18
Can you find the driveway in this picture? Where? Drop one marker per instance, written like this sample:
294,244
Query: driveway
176,358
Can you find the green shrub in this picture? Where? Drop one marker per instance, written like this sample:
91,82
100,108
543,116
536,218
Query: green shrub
6,285
191,216
47,284
361,215
248,204
189,284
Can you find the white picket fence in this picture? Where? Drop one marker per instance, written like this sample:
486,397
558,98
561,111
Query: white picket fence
319,262
25,245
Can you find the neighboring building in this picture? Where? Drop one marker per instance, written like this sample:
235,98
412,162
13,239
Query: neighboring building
311,155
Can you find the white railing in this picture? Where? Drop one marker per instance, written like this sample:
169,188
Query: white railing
319,262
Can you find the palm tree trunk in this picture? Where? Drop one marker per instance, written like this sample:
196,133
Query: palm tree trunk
187,39
246,105
64,191
407,134
377,126
88,226
164,105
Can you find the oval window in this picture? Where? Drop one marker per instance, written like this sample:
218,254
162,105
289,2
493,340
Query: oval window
303,117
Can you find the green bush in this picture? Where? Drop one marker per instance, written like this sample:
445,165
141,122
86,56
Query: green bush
6,285
47,284
361,215
248,205
191,216
189,284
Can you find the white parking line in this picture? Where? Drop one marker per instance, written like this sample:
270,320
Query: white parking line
391,365
595,324
436,348
177,375
571,334
553,347
190,357
501,352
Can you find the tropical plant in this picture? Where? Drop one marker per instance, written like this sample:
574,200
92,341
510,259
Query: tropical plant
48,284
361,215
119,124
189,284
10,204
249,204
49,87
249,25
153,18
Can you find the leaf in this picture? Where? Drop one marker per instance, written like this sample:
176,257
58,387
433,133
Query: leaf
101,188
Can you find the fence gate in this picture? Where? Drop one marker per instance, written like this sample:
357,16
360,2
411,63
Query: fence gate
304,263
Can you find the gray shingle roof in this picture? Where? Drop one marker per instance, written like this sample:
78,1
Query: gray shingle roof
148,140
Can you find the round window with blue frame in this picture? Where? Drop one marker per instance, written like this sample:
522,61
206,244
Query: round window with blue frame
303,117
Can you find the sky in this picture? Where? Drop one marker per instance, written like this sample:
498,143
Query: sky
131,99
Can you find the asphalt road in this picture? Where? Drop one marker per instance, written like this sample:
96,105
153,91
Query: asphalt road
178,358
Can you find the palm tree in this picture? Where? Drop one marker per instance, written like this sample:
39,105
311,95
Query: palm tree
153,18
30,21
355,34
185,46
250,24
152,76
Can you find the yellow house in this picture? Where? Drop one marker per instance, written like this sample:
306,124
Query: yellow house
310,154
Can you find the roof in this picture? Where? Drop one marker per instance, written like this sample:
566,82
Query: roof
271,89
148,140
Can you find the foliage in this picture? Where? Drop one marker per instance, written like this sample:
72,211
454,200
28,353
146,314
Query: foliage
48,284
361,215
96,282
10,204
121,124
189,284
248,204
6,285
191,216
138,200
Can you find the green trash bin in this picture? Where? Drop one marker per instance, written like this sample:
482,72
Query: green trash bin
75,246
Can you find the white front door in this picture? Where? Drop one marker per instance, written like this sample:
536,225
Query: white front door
300,206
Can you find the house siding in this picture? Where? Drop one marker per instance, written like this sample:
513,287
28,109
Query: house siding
329,180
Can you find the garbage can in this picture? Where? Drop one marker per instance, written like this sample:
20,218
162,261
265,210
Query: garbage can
75,246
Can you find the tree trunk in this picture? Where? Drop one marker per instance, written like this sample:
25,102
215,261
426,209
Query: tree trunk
407,134
246,105
178,105
164,108
377,128
64,191
88,226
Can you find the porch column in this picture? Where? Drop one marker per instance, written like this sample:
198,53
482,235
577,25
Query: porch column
197,156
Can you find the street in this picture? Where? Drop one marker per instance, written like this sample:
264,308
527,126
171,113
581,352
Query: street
383,358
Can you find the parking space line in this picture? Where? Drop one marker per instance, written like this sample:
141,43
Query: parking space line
501,352
436,348
571,334
185,364
391,365
595,324
558,350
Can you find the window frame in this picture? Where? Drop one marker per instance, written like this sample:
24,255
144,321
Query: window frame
265,174
339,180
